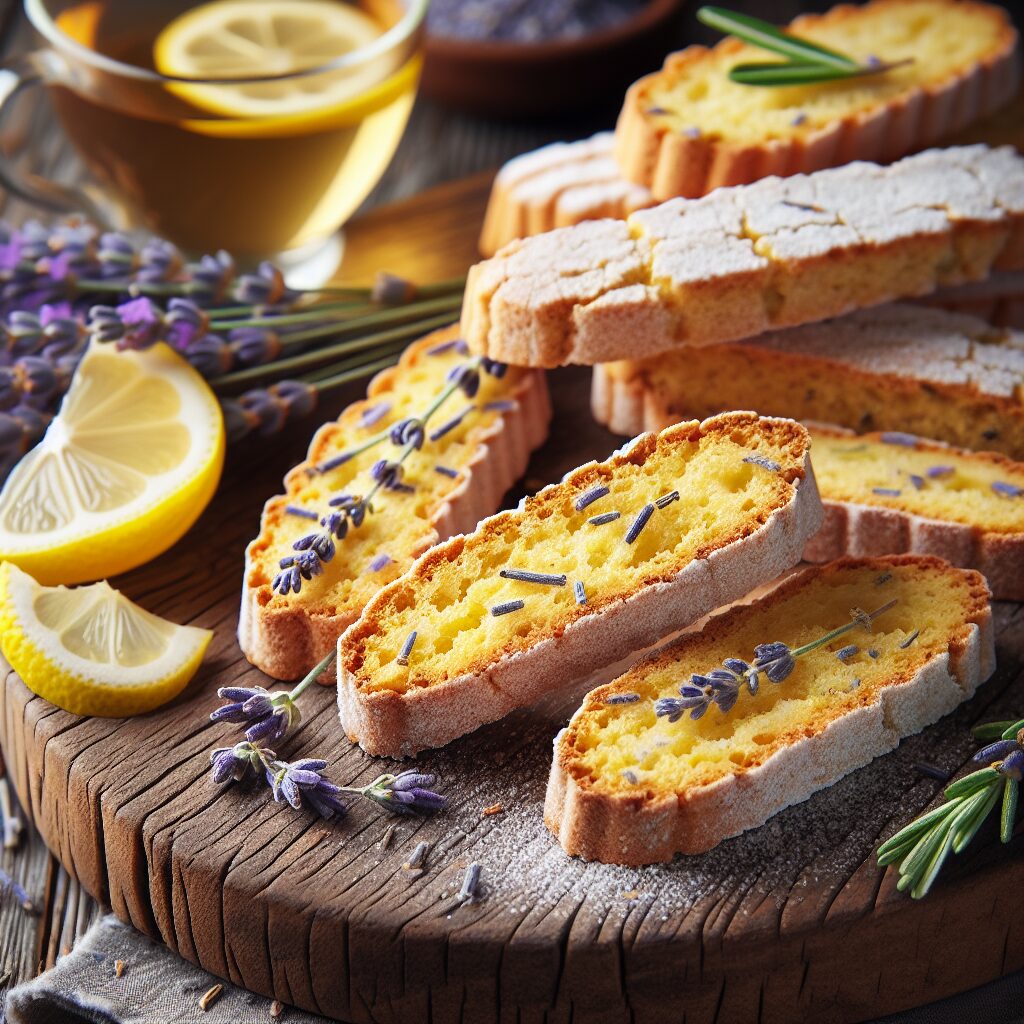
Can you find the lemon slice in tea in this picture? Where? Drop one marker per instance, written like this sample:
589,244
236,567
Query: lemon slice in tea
124,469
241,38
92,651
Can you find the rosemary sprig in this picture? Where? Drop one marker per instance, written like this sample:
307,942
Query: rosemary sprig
921,848
807,62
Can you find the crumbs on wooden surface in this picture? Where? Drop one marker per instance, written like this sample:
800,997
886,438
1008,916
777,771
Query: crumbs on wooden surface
119,966
276,1008
492,809
209,997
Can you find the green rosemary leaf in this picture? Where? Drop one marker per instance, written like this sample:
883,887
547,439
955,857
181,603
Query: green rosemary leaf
981,803
1011,790
1012,729
971,783
797,73
767,37
909,834
932,868
925,848
991,731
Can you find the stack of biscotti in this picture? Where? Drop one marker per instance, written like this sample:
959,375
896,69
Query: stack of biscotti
687,129
469,454
771,297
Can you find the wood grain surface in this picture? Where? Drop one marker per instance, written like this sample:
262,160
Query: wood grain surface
793,921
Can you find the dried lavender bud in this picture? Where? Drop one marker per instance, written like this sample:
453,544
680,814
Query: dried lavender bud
35,376
10,389
636,527
254,346
887,492
373,414
403,654
105,324
1012,766
159,261
270,715
589,497
798,119
525,576
470,884
896,437
295,510
917,481
666,499
604,517
493,367
299,397
775,660
1007,490
939,472
269,412
500,405
210,355
847,652
405,793
408,432
392,290
116,255
232,764
265,287
466,378
379,562
354,507
62,333
210,278
995,752
505,607
302,781
763,461
446,471
389,475
238,422
450,425
447,346
622,698
24,333
579,592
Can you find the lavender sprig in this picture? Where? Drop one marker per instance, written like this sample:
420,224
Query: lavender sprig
723,685
921,848
408,792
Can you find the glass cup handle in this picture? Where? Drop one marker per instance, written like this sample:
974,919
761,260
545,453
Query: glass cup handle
16,76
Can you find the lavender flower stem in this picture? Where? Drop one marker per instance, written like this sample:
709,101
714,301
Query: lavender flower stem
829,637
312,675
318,355
229,316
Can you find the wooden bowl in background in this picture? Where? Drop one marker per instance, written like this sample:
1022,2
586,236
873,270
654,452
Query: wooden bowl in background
513,79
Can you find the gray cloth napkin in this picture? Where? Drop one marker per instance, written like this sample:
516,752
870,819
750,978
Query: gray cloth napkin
158,987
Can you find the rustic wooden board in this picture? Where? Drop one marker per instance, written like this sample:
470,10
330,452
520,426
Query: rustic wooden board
793,921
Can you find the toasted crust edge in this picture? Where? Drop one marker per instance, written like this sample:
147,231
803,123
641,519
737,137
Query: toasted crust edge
623,830
385,723
672,164
286,643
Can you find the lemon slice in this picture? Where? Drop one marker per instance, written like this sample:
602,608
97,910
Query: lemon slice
123,470
90,650
258,38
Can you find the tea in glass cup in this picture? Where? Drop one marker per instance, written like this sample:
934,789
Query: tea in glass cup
256,126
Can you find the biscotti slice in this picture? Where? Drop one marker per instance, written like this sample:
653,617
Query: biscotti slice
688,129
613,558
741,261
900,367
631,786
473,451
557,185
998,300
892,493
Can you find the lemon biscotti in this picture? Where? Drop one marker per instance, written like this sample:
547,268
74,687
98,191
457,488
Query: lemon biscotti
741,261
941,375
892,493
616,556
690,747
557,185
471,452
688,129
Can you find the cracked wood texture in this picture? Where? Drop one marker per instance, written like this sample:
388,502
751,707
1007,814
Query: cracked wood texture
793,921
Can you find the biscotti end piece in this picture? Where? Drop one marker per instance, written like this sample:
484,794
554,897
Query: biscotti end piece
454,479
627,551
556,186
629,787
892,493
901,367
687,129
742,261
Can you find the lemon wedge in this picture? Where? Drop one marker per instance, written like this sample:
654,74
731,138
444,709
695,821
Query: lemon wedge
124,469
90,650
261,38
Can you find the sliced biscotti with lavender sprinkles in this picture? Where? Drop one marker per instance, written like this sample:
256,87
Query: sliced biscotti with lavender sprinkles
613,558
900,367
557,185
432,449
892,493
744,260
688,129
771,702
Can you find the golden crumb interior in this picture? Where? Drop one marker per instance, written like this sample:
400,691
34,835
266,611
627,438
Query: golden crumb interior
897,471
943,39
627,749
449,602
399,529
